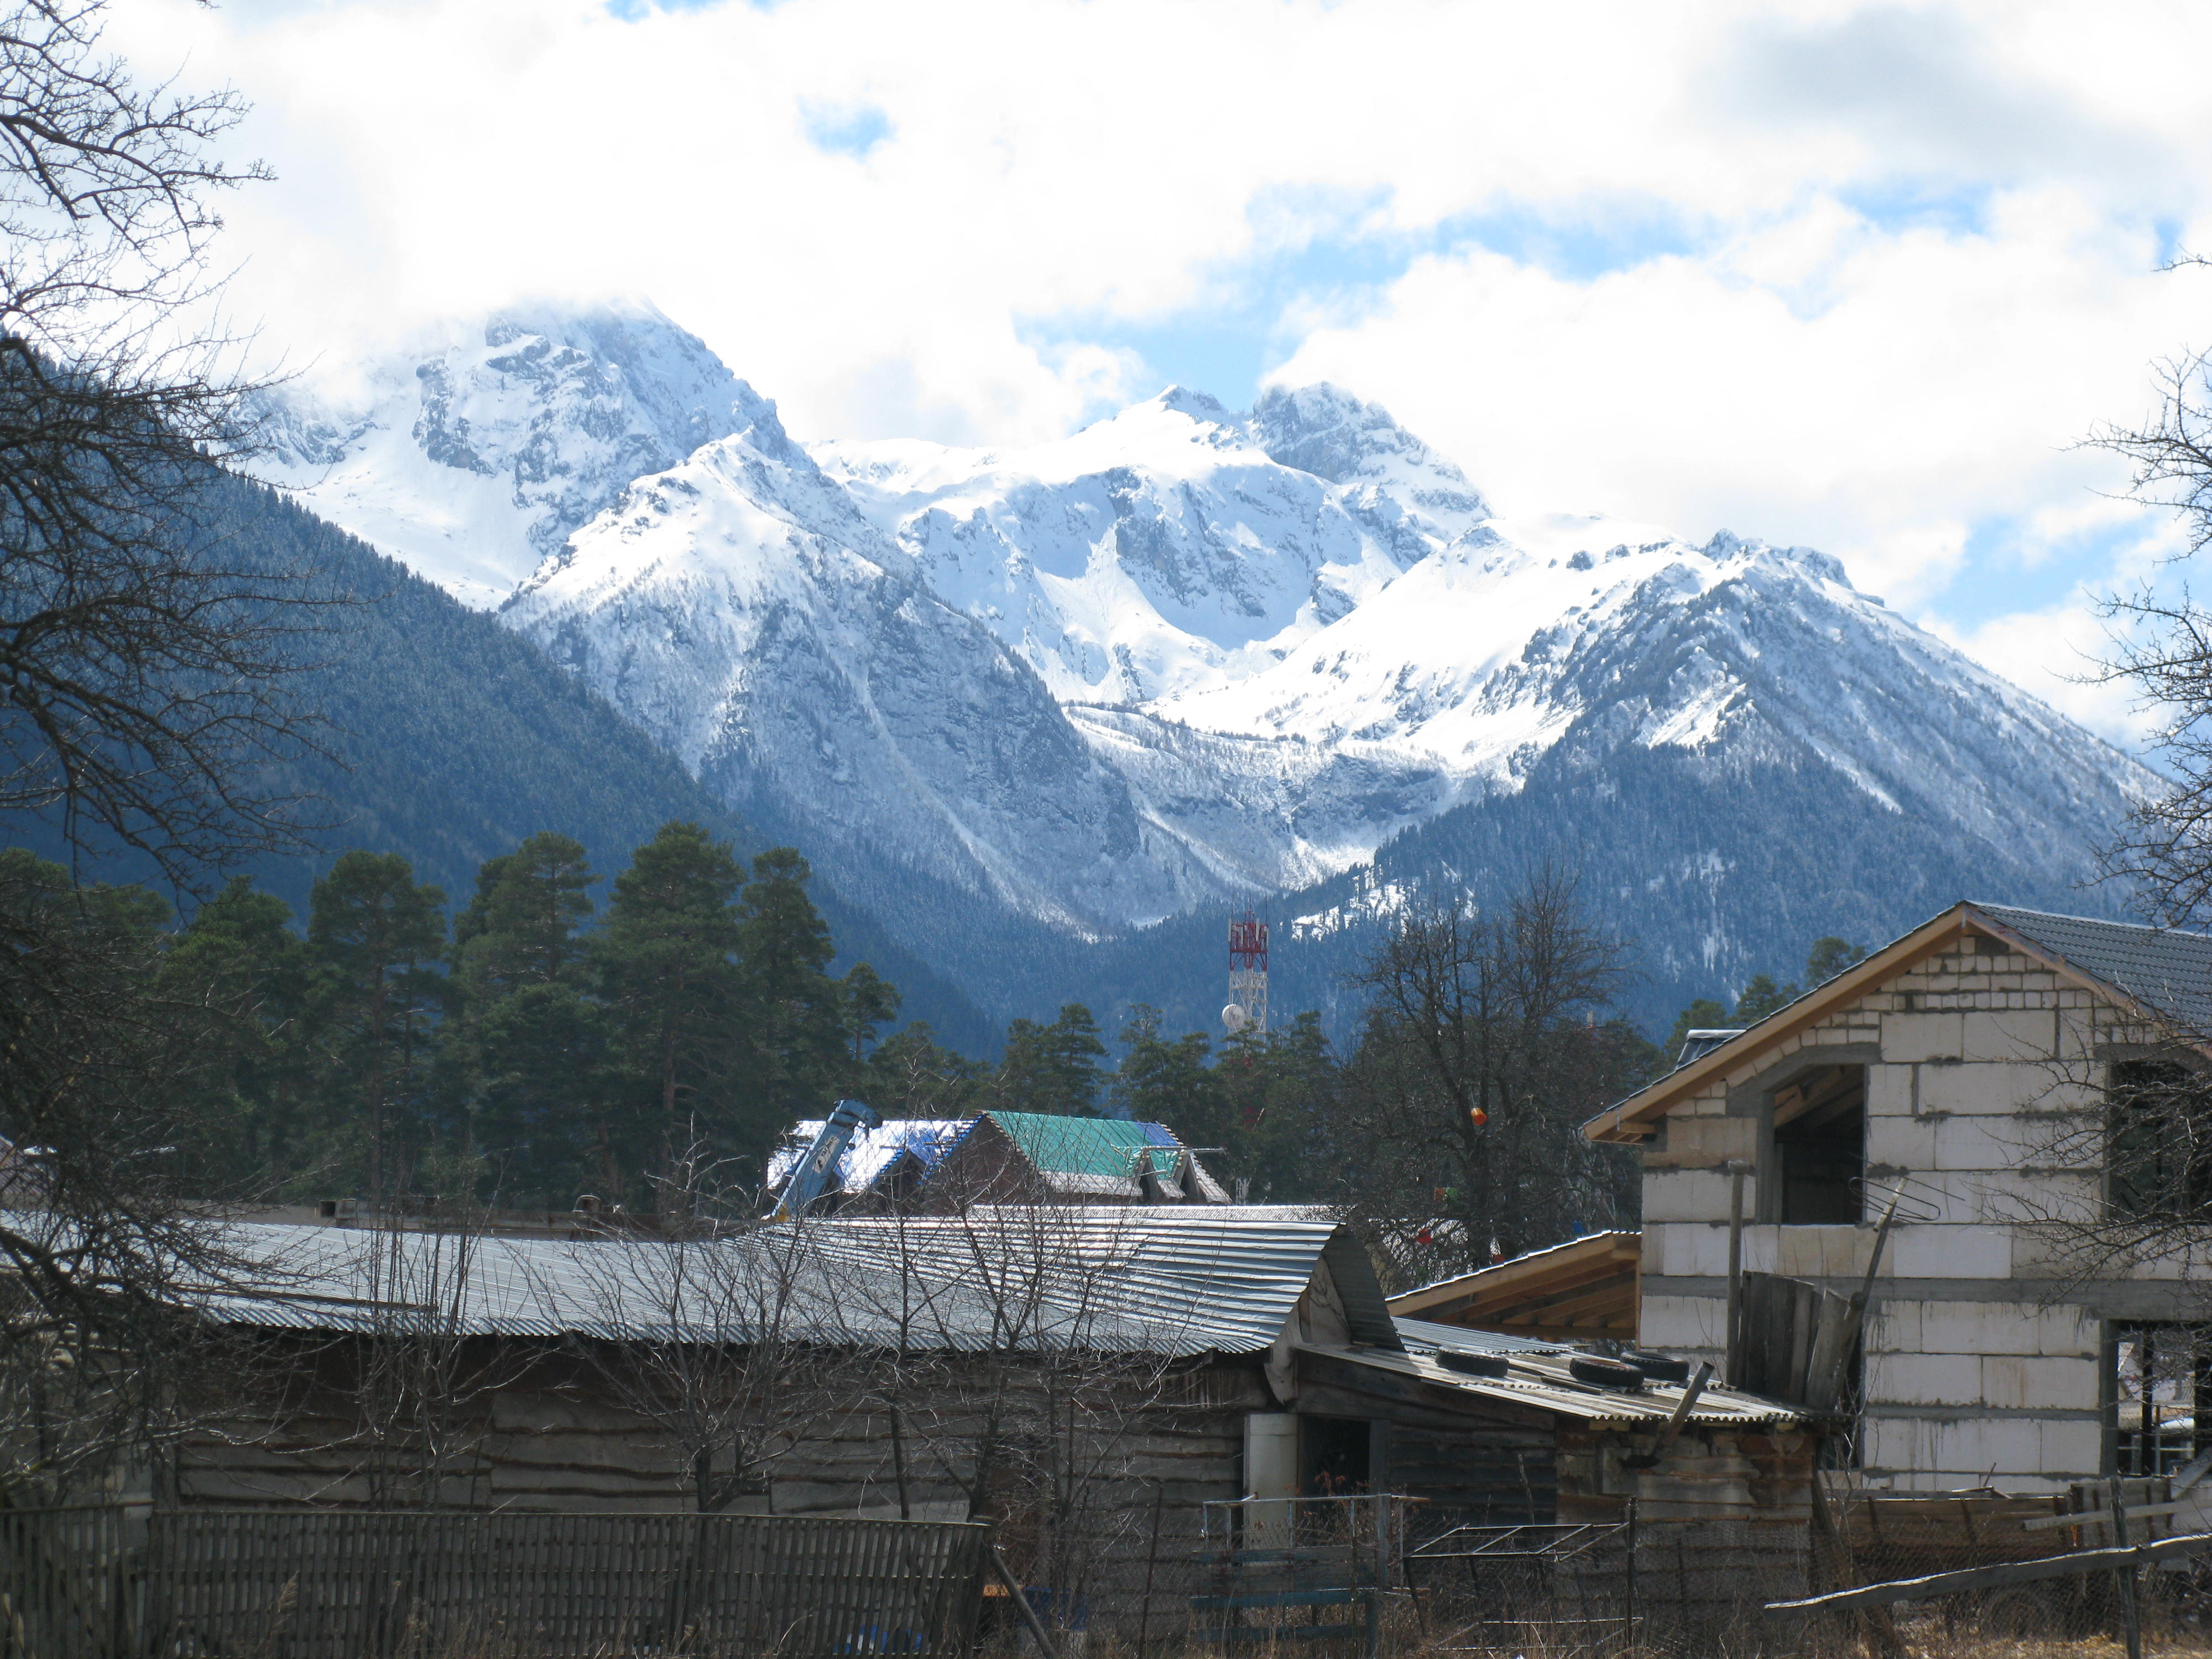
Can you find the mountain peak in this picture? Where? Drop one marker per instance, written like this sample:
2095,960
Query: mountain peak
472,451
1325,430
1199,405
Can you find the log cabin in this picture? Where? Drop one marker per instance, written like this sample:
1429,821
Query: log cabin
1091,1378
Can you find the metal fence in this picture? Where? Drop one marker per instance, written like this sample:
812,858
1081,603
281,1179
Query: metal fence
275,1584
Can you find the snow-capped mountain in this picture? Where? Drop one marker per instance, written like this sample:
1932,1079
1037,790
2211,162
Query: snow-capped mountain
1190,656
1173,548
740,608
472,453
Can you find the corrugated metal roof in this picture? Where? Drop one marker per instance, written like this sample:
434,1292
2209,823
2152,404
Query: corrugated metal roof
1542,1380
1170,1280
1475,1278
2160,967
1426,1336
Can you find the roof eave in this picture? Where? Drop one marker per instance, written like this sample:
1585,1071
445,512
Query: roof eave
1630,1121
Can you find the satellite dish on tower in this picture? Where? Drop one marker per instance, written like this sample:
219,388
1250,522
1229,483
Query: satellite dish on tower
1235,1019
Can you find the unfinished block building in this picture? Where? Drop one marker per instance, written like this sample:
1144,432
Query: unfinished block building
1966,1073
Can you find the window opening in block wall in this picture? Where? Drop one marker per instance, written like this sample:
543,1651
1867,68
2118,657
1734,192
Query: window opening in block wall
2158,1154
1819,1147
2159,1373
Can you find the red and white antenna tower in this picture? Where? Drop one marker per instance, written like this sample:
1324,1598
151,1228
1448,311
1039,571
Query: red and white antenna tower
1247,976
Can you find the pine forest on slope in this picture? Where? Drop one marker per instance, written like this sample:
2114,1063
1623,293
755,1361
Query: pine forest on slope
1048,713
452,739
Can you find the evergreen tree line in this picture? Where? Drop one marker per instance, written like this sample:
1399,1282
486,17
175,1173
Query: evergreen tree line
532,1046
529,1046
528,1049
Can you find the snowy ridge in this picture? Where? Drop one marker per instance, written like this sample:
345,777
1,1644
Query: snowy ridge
1167,549
740,609
1185,656
472,453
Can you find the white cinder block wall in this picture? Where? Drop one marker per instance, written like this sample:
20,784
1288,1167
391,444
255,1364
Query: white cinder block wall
1980,1371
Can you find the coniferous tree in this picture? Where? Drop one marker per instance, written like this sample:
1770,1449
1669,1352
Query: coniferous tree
1760,997
1284,1115
375,933
796,1015
240,965
1169,1081
522,927
911,1075
868,1002
665,960
1051,1068
530,1053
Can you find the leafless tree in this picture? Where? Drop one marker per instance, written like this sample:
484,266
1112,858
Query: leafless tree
1017,1372
143,667
718,1330
2136,1133
103,1249
2119,1145
1481,1055
423,1378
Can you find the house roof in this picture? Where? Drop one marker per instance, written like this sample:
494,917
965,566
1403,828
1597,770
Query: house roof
1093,1156
1168,1281
870,1151
1581,1289
2163,975
1543,1381
2162,968
1425,1336
1083,1157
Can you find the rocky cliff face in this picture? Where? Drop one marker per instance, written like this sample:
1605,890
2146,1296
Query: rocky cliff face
741,610
478,450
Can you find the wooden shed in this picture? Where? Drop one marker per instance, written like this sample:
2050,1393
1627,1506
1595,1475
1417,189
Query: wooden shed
931,1368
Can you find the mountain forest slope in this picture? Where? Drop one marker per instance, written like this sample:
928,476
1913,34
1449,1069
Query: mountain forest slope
1050,714
450,738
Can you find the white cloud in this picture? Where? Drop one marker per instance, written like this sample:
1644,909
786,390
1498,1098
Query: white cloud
1814,380
1898,258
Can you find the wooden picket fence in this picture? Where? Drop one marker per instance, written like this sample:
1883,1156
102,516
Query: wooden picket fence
334,1584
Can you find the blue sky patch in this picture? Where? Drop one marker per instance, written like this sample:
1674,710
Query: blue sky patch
1252,312
844,129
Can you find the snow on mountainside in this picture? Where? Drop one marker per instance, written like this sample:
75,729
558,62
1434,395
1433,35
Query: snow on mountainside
1175,547
1188,655
741,610
472,454
1452,683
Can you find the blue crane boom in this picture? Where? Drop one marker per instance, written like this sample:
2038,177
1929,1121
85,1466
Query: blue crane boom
816,1170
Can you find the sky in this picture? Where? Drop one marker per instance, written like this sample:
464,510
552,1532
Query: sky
1859,277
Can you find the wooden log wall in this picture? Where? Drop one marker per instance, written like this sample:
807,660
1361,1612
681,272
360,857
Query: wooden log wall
537,1430
1485,1464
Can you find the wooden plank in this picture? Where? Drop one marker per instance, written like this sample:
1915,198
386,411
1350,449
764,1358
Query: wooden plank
1992,1577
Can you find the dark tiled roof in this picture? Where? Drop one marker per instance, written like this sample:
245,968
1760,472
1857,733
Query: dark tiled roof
2164,970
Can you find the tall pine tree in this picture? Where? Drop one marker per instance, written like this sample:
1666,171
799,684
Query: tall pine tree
666,966
376,934
530,1056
